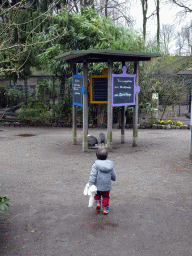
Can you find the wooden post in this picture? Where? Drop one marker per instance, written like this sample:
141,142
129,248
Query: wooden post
53,96
122,124
123,118
190,155
74,114
109,107
85,106
135,110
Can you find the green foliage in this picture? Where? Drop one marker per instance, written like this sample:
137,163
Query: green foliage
82,31
129,114
169,88
149,107
62,111
43,89
3,98
4,203
35,112
20,25
14,94
9,95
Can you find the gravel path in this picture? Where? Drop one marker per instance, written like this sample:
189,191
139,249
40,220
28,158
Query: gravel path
44,176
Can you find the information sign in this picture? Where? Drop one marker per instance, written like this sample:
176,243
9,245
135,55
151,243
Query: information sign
155,96
98,88
124,89
78,89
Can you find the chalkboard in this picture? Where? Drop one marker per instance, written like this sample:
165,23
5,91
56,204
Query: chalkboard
123,90
100,89
77,90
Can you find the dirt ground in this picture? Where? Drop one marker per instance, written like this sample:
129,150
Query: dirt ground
45,175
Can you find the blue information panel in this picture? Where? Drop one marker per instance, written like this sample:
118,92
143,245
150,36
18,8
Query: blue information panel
78,89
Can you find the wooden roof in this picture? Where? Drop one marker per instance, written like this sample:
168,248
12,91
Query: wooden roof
102,55
180,66
187,71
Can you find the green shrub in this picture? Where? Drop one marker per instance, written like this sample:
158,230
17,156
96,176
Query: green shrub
34,112
14,94
4,203
63,111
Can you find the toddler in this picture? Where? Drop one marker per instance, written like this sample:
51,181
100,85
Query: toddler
101,175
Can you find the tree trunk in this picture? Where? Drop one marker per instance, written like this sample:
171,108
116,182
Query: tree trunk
76,7
101,110
26,91
163,112
158,24
106,5
62,89
144,10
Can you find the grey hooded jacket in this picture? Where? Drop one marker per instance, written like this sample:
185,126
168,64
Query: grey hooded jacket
101,175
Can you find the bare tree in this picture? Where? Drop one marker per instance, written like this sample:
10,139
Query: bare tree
116,9
180,41
189,38
167,36
184,41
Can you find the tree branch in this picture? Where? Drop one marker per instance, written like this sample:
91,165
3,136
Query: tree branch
180,4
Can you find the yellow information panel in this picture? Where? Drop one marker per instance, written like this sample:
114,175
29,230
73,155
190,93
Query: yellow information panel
98,88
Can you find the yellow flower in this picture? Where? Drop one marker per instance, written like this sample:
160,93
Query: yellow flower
179,123
169,122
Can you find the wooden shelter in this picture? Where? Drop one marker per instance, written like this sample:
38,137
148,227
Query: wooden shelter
109,56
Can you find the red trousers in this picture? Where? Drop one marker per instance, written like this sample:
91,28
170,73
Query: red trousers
105,197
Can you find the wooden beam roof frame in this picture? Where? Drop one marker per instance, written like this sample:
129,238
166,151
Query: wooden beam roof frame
103,55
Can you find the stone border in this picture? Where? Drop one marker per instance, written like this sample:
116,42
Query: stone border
115,126
169,127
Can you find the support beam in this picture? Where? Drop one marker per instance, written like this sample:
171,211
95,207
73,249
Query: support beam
123,124
123,118
53,96
109,107
85,106
135,109
190,155
74,114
